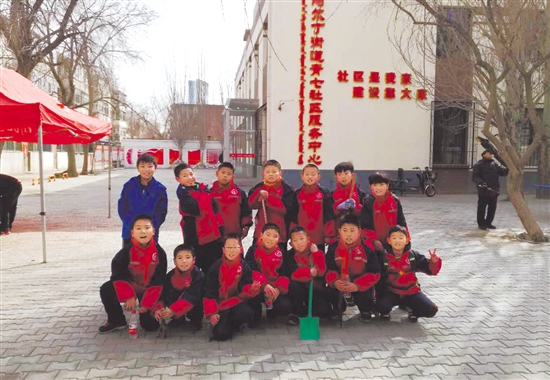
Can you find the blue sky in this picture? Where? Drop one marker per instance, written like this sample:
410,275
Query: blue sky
185,31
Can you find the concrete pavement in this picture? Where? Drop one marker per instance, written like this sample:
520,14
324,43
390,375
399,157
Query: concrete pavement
493,296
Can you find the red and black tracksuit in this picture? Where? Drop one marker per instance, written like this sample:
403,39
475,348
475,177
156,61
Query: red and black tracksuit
278,205
357,264
228,288
340,195
269,267
182,293
233,206
201,223
400,284
135,272
299,266
379,214
312,210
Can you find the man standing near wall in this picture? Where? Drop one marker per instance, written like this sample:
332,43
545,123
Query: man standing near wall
486,176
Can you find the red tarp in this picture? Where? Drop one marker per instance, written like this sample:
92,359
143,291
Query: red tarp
23,107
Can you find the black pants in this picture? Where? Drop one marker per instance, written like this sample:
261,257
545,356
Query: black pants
486,203
207,254
363,300
9,195
420,305
299,296
231,320
281,307
115,314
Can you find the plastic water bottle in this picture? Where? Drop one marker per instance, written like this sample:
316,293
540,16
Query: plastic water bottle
133,321
268,304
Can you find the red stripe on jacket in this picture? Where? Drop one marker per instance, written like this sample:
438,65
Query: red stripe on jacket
275,209
270,263
310,212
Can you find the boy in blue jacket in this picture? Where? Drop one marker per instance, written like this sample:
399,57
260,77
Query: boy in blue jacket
143,194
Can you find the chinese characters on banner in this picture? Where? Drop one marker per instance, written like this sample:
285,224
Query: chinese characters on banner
382,85
312,79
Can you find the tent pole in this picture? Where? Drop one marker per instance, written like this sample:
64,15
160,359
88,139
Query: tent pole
42,196
110,163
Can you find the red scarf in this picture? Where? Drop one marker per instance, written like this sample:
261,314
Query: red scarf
229,277
146,256
343,253
182,280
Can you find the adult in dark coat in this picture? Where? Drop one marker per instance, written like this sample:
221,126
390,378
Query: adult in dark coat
486,175
10,189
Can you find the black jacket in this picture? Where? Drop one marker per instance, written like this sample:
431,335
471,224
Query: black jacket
488,171
190,291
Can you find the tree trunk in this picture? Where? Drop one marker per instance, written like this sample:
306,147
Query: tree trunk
515,188
71,156
543,172
85,163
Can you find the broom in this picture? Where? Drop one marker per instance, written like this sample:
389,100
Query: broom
309,326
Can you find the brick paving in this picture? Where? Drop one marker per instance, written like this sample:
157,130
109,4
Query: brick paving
493,296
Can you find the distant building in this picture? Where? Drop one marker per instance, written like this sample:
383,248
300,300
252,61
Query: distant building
198,92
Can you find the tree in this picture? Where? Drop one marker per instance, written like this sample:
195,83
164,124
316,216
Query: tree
491,54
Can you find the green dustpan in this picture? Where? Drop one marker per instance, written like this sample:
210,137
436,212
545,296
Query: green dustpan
309,326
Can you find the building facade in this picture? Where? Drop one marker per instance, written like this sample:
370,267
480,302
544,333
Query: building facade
332,86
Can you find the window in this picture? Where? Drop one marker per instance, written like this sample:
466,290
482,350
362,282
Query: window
450,128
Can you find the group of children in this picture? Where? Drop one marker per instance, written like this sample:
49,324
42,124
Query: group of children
368,260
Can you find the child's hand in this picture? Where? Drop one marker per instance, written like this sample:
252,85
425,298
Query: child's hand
269,291
158,315
340,285
130,304
434,258
167,313
313,248
255,286
351,288
276,293
245,232
263,195
214,319
378,245
313,272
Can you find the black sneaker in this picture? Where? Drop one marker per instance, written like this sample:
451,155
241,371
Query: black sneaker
108,327
365,317
412,318
491,227
385,317
255,322
243,328
483,228
293,320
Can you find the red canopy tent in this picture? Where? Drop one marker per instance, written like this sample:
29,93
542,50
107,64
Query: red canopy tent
28,114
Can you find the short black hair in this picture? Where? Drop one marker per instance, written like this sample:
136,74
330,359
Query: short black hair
397,228
273,163
296,230
349,219
142,217
271,226
232,236
310,166
180,167
184,247
378,177
344,167
146,158
228,165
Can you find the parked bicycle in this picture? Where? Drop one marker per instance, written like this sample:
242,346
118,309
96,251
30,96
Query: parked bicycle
426,182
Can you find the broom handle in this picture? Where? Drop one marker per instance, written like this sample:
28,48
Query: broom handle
310,301
265,212
352,185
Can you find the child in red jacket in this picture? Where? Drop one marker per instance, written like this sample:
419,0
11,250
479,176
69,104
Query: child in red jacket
232,202
276,195
400,285
347,198
182,292
306,262
267,262
353,268
200,220
312,208
137,274
229,286
381,211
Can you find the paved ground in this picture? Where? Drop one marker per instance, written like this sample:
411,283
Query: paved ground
493,295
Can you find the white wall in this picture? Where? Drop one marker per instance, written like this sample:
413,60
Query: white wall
13,162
